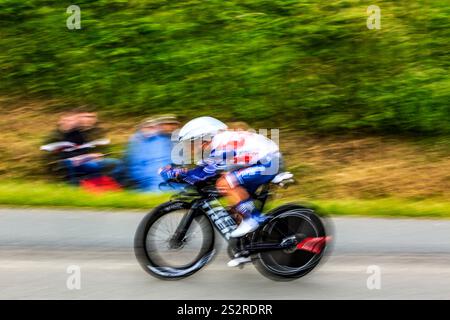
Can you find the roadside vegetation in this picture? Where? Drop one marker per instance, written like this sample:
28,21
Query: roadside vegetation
309,65
41,194
364,114
344,175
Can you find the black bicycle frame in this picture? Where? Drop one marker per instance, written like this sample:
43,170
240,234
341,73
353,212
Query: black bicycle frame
222,220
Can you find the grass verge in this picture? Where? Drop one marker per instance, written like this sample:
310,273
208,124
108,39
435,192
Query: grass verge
42,194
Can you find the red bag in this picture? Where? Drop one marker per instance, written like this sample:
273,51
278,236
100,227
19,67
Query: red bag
100,184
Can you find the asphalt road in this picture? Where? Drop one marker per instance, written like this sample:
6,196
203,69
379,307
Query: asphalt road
37,246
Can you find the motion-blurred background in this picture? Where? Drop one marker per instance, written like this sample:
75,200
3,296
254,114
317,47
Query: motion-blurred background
364,114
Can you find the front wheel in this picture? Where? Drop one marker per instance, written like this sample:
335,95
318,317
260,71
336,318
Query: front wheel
166,257
289,223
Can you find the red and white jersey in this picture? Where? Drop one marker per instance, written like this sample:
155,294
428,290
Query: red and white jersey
241,148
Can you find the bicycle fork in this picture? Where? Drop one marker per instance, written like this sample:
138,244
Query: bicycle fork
216,213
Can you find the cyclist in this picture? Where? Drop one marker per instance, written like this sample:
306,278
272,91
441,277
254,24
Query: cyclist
247,159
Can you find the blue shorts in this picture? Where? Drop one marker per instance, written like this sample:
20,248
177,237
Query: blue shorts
252,177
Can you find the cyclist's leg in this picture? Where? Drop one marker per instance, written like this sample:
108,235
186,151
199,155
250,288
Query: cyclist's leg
238,186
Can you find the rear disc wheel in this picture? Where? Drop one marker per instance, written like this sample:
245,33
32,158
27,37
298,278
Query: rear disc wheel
289,263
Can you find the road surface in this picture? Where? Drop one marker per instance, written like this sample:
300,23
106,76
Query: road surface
37,246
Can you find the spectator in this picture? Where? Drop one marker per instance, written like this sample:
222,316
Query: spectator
148,150
65,131
83,159
88,122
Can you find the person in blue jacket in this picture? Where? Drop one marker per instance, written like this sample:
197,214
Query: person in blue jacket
148,150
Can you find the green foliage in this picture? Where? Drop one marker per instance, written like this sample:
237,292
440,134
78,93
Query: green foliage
41,194
62,195
303,64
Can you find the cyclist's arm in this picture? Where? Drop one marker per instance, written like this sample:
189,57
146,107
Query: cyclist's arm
201,173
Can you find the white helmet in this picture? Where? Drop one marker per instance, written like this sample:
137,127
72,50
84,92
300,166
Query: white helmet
200,127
